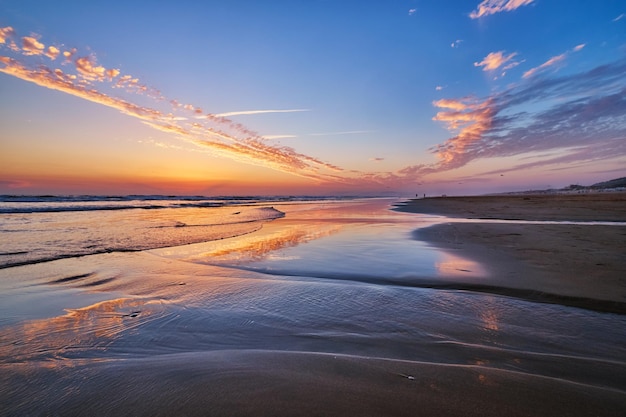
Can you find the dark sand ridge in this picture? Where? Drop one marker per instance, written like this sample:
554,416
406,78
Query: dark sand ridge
573,264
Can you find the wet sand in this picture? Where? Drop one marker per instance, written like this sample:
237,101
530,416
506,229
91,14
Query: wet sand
271,383
580,264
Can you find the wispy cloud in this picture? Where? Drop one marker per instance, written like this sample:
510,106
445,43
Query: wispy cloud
212,133
272,137
552,62
412,12
568,157
495,60
581,118
6,33
456,43
620,17
470,117
489,7
253,112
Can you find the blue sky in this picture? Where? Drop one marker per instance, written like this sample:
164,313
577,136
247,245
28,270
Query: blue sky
320,96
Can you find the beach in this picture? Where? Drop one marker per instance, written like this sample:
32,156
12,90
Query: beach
306,308
580,263
589,206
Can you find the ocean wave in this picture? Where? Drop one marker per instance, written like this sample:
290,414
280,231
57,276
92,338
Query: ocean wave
14,204
53,236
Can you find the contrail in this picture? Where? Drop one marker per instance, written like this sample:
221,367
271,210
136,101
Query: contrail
252,112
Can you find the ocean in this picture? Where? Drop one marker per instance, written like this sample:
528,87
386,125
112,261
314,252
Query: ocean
276,306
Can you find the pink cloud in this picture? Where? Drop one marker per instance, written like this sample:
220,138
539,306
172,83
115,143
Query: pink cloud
87,68
52,52
112,73
489,7
69,54
57,80
459,104
471,118
6,33
552,61
500,125
223,137
31,46
495,60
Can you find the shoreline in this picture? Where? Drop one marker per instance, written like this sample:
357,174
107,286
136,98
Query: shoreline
605,207
579,265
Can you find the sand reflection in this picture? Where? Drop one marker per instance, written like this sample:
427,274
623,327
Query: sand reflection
91,328
254,247
454,266
490,318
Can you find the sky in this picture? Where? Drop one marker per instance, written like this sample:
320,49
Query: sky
310,97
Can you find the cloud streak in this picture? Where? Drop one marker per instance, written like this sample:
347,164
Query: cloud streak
551,62
253,112
489,7
555,60
213,133
274,137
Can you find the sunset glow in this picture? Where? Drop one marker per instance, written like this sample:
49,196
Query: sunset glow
256,98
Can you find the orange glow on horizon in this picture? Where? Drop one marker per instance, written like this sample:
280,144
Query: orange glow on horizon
68,185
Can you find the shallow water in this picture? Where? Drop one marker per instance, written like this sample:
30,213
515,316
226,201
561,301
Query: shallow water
343,279
44,236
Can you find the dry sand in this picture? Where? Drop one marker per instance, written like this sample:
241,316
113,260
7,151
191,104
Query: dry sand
559,207
575,264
